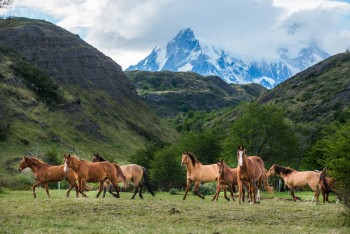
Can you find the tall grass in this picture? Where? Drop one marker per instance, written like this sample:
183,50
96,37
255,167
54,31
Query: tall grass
164,213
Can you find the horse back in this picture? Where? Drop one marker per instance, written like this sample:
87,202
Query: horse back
208,172
97,171
132,171
51,173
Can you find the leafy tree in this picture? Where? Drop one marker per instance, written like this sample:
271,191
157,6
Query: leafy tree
145,156
51,157
206,145
333,152
166,171
265,131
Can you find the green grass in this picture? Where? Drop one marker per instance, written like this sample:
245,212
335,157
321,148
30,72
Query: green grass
164,213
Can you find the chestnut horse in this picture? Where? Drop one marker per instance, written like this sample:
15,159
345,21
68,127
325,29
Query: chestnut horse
327,186
228,177
251,169
132,172
45,173
197,172
94,172
294,179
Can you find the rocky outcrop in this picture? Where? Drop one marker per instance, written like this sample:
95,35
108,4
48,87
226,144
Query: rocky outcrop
64,56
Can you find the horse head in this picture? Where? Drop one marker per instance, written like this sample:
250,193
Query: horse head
240,155
68,162
221,166
184,158
98,158
271,171
24,163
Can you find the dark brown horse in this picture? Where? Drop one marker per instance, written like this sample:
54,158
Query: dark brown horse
45,173
251,169
294,179
327,185
133,173
227,177
197,173
94,172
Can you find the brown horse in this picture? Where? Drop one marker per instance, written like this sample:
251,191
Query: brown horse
132,172
294,179
227,176
45,173
197,172
251,169
94,172
327,185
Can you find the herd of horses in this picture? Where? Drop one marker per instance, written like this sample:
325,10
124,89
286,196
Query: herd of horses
249,175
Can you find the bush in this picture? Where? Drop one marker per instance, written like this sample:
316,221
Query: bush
173,191
207,189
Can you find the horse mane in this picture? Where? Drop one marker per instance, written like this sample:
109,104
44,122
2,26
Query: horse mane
283,170
193,158
100,157
36,161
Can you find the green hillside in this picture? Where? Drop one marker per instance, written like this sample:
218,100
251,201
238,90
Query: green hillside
172,93
319,94
59,94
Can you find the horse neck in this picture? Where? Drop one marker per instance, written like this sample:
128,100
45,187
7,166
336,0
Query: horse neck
190,167
76,164
245,161
36,166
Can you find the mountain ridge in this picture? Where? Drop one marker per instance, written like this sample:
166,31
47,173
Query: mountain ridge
185,53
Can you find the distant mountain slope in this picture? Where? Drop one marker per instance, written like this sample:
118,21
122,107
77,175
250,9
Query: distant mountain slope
171,93
57,91
319,93
185,53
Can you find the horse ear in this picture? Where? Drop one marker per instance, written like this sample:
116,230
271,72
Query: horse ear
68,156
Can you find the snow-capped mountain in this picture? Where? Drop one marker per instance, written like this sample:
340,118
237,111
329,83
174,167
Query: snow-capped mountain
185,53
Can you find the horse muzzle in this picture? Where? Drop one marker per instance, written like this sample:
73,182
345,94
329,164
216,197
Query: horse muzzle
19,169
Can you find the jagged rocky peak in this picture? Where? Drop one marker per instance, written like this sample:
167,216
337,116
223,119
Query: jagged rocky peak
185,53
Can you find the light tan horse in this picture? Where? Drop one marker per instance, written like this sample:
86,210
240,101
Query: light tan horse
197,173
133,173
45,173
293,179
94,172
251,169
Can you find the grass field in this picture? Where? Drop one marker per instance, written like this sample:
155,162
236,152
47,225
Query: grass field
164,213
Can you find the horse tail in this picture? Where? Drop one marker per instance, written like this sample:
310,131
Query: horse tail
147,183
121,175
267,187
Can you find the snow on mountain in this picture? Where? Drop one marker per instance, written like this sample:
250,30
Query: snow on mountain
185,53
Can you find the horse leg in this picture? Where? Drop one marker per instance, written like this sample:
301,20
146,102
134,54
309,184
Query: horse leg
225,194
188,185
100,187
140,190
115,184
34,186
231,190
135,191
196,186
240,188
217,191
82,183
46,185
105,186
291,189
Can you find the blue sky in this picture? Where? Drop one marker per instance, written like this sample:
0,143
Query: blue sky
127,30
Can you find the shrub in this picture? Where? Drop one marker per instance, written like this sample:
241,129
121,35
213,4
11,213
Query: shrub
207,189
173,191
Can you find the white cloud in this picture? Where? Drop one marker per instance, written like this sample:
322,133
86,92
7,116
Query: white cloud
128,30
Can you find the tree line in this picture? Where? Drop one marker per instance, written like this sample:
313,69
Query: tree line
266,131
